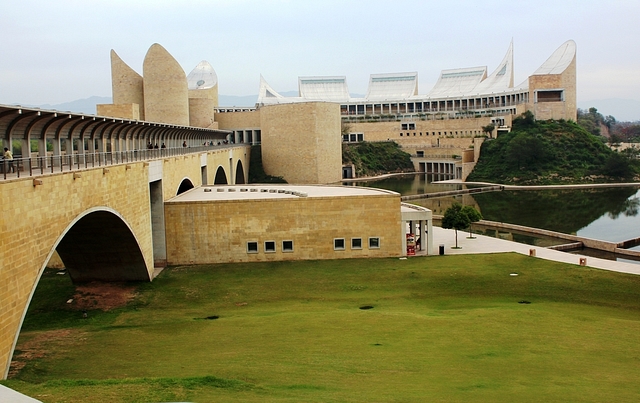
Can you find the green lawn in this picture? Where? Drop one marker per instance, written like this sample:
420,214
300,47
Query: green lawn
442,329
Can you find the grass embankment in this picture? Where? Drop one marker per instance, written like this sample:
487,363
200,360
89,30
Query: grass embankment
440,329
550,152
371,159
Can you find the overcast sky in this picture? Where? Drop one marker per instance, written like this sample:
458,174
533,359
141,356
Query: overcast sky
54,51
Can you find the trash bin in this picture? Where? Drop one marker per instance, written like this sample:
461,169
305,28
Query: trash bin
441,250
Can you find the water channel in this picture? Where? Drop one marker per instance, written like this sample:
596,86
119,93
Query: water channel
609,214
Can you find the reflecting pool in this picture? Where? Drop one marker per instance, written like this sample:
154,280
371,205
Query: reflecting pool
609,214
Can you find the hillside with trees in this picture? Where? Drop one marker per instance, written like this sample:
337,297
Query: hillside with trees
372,159
552,152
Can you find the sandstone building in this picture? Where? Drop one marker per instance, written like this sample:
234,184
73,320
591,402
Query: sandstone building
301,136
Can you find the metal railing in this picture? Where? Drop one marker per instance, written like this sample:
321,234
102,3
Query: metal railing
41,165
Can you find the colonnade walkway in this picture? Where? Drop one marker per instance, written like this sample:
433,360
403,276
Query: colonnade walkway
37,165
487,244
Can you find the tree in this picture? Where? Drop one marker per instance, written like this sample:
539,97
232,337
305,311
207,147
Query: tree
455,218
488,129
474,216
528,151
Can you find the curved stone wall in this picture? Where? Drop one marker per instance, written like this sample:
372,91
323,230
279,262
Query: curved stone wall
126,84
165,88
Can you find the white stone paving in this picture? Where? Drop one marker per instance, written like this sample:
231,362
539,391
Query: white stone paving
487,244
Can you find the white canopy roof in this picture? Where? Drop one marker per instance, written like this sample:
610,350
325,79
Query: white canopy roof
202,77
501,79
559,60
457,82
323,88
392,86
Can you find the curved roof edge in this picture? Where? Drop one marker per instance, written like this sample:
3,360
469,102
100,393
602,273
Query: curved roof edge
268,96
501,78
559,60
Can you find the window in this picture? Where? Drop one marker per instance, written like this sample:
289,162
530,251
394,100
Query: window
269,246
374,243
420,154
356,243
287,246
338,244
252,247
352,137
549,95
404,126
412,126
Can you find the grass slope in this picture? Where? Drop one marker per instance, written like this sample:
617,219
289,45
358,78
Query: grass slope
441,329
371,159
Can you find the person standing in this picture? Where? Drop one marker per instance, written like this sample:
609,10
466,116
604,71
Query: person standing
8,157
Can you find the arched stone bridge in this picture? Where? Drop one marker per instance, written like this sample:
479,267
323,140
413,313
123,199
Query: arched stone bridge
105,221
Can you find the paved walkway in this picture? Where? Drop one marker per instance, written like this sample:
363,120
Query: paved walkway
11,396
487,244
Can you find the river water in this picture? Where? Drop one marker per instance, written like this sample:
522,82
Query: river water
609,214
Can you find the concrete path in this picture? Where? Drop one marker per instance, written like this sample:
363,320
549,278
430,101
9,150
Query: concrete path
11,396
486,244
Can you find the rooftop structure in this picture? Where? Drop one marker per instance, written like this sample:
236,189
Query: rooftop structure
461,89
270,192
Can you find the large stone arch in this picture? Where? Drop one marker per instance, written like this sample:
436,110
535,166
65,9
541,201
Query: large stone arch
100,246
185,184
108,252
221,177
239,174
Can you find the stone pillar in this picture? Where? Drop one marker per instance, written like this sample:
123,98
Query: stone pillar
403,231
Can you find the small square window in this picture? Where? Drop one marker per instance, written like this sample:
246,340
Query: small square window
345,137
252,247
374,243
269,246
356,243
287,246
338,244
360,136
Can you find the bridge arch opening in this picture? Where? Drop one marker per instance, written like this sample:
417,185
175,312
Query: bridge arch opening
221,177
185,185
239,174
96,246
100,246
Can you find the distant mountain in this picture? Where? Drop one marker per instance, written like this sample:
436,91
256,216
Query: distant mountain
624,110
234,100
86,105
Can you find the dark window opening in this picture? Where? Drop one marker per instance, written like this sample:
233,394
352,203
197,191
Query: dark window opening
270,246
252,247
550,96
